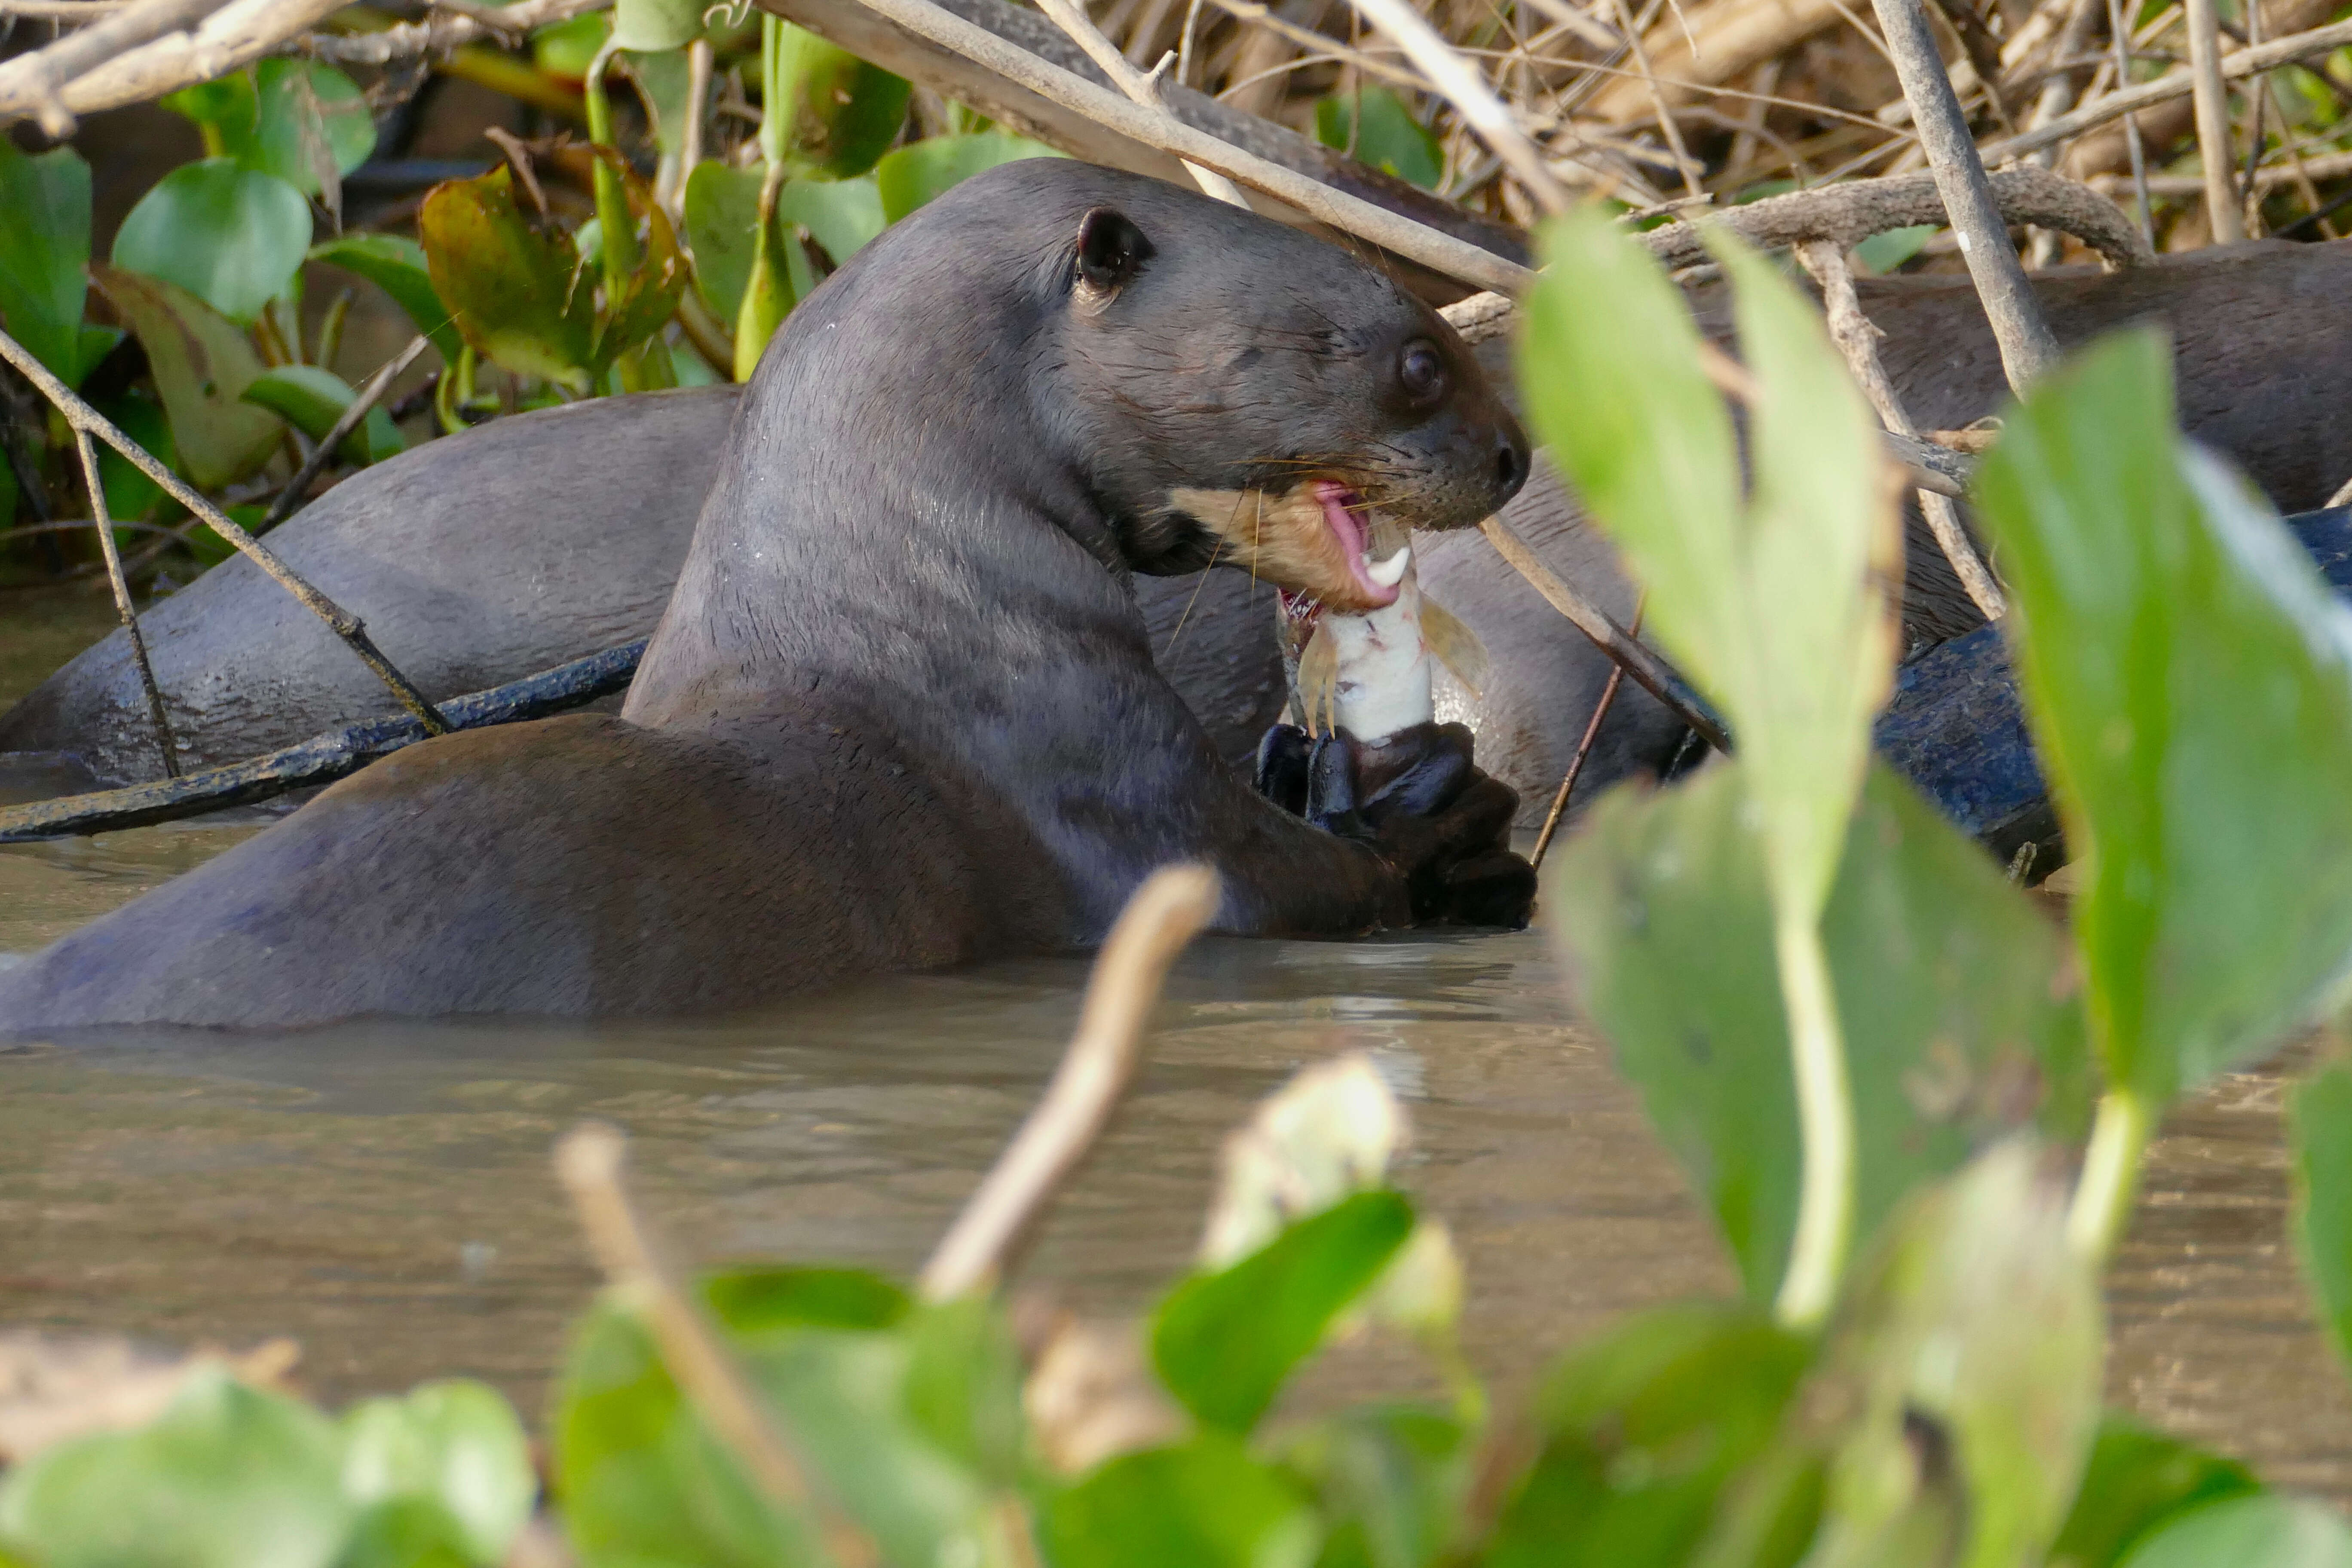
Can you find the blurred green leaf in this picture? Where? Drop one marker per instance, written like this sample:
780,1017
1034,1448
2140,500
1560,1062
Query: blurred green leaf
1948,982
518,291
311,400
2189,679
1388,1483
1225,1343
223,106
1375,126
567,49
920,171
397,265
129,493
409,1532
641,1481
44,252
231,236
227,1477
964,1378
843,216
202,364
2138,1479
2321,1117
1640,1429
754,1301
2264,1530
1201,1504
845,113
1882,253
1958,1396
1777,607
455,1445
651,26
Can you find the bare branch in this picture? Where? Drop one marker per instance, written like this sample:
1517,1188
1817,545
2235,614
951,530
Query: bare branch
441,32
122,586
1461,85
2223,215
1144,89
1164,914
30,85
81,415
367,397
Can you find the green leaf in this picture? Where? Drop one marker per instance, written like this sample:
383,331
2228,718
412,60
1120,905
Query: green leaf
44,254
642,305
202,364
1202,1504
2137,1480
1375,126
227,1477
1948,981
756,1301
965,1379
397,265
650,25
843,216
1225,1343
1388,1483
722,228
311,400
1882,253
224,105
2264,1530
305,114
1958,1396
409,1532
843,113
129,493
455,1447
641,1481
231,236
2321,1115
519,295
1640,1429
2188,680
1777,607
566,49
920,171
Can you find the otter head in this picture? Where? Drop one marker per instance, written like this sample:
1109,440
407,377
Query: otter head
1234,392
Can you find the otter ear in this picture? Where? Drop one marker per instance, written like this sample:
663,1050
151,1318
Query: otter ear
1111,250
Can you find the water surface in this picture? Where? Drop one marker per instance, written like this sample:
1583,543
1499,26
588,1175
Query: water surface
381,1191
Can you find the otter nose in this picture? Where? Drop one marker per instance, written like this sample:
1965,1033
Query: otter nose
1511,461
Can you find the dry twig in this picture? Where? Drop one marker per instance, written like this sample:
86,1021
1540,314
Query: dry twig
1583,751
31,84
1164,914
123,606
1857,338
1143,89
1459,83
367,397
233,35
442,32
588,1161
2223,215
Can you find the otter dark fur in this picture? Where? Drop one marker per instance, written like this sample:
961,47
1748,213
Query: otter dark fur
900,710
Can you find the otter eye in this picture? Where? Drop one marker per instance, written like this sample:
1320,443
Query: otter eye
1421,370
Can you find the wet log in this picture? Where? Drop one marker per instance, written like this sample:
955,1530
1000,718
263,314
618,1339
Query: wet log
321,760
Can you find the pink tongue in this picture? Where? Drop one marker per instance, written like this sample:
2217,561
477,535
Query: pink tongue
1350,535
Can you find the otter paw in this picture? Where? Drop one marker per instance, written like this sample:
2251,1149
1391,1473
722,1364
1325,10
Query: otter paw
1284,755
1496,889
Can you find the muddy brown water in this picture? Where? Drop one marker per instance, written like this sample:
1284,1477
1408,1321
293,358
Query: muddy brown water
381,1192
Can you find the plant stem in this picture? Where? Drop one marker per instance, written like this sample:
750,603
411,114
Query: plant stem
2103,1198
617,229
1825,1115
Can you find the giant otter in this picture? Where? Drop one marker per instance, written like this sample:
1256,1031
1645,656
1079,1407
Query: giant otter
900,710
484,557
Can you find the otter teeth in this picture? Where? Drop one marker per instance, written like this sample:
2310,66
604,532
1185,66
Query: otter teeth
1389,573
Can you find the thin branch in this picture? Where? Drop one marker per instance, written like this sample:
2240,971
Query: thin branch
81,415
233,35
1857,338
1650,672
30,85
436,34
1164,914
1154,128
123,606
2028,347
1141,87
2223,215
1684,163
1583,751
2121,41
1459,83
2291,50
588,1162
62,10
367,397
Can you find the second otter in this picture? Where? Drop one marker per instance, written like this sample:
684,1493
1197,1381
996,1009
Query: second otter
899,711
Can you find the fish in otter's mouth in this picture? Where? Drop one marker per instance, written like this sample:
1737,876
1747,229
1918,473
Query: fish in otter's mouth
1318,540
